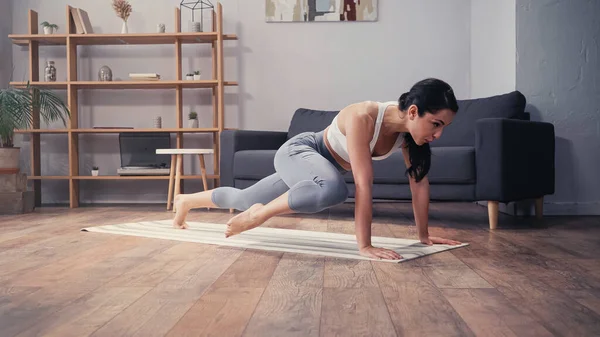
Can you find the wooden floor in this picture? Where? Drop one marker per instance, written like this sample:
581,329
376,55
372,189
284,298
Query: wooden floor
527,278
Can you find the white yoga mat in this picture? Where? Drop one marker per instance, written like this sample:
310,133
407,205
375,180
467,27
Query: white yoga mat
274,239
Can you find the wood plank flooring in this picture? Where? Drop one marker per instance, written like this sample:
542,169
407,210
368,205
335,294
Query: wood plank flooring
527,278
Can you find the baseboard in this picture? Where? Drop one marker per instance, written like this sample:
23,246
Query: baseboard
572,208
527,208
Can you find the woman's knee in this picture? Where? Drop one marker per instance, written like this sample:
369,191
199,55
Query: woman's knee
314,196
334,193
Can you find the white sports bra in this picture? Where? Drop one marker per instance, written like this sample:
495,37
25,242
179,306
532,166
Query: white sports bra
338,142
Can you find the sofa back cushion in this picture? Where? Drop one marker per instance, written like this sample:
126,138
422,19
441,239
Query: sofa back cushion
308,120
460,133
462,130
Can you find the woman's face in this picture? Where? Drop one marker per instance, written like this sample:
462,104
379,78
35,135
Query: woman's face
428,128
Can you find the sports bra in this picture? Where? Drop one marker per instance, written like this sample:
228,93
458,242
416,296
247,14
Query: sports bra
338,142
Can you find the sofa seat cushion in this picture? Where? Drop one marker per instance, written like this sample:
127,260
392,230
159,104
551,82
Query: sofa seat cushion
253,164
449,165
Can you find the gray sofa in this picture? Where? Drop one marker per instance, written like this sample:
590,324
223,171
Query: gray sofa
492,152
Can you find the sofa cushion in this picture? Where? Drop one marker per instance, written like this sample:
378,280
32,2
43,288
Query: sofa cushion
462,130
307,120
449,165
253,164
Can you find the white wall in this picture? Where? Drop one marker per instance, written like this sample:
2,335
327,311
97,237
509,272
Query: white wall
493,47
5,43
558,70
328,65
280,67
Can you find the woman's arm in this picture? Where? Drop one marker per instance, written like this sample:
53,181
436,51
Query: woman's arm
420,201
359,130
359,127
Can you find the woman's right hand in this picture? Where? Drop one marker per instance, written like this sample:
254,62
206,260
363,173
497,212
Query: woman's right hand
379,253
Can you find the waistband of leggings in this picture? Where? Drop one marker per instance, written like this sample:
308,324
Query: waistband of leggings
325,151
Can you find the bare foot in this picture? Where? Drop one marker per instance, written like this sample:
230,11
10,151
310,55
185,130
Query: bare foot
244,221
182,209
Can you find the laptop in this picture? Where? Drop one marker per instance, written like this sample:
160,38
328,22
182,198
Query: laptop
138,153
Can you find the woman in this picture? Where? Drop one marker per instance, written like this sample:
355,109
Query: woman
310,166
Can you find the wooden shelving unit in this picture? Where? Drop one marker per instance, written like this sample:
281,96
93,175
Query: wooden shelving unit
33,40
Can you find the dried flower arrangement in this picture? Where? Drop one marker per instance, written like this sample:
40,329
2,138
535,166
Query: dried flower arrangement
122,8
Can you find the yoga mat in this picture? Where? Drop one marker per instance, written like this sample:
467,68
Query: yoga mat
273,239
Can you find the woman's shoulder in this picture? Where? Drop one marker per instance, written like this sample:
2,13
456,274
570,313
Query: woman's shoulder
361,109
362,112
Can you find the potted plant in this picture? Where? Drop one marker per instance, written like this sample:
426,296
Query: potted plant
189,77
49,28
16,112
95,171
193,120
197,74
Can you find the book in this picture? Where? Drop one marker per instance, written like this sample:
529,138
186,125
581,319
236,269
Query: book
76,19
81,20
85,21
147,75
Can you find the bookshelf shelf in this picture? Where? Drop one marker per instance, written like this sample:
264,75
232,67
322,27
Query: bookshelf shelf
119,130
160,84
42,131
100,177
214,82
208,176
118,39
42,85
172,130
52,40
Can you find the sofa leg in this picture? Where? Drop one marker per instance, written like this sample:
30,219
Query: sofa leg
493,214
539,207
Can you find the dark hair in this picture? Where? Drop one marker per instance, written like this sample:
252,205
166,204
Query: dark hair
429,95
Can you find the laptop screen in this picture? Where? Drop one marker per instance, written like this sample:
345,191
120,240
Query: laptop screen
139,149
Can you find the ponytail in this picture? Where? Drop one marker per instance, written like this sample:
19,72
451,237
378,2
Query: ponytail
419,156
429,95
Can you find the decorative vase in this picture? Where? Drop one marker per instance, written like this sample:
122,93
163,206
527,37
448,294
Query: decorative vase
189,78
50,72
157,122
197,77
195,27
94,173
193,123
124,28
9,160
160,28
48,30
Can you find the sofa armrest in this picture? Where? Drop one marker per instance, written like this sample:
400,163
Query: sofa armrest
233,141
514,159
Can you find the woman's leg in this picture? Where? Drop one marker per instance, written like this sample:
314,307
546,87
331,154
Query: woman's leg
261,192
315,184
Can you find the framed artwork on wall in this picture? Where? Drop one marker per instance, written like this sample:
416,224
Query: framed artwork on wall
320,10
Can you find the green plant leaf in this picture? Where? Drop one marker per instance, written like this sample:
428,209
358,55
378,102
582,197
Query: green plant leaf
17,107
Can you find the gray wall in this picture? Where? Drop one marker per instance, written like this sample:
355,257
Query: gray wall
5,43
280,67
493,47
558,71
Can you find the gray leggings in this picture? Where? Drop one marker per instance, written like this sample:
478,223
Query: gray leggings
305,168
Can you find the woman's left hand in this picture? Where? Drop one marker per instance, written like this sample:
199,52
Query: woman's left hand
435,240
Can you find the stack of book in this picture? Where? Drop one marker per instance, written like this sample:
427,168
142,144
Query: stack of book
144,76
81,19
